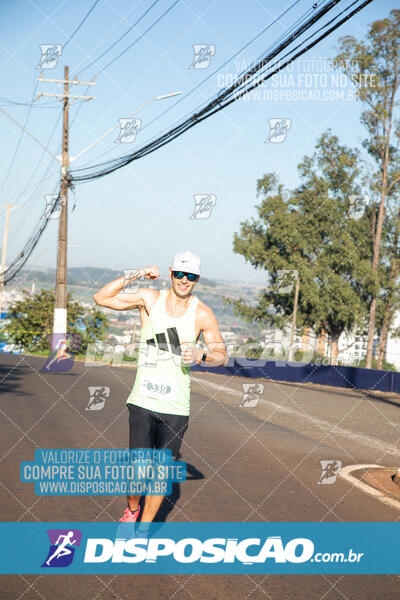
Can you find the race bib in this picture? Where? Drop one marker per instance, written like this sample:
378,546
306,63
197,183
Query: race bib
157,387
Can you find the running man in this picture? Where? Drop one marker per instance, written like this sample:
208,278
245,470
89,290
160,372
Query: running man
171,323
62,549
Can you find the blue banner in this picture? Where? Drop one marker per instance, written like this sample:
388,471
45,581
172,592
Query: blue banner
297,372
200,548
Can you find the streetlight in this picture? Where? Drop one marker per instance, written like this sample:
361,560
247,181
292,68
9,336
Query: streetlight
162,97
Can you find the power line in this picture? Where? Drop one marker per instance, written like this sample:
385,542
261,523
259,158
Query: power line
19,262
14,268
313,34
164,14
299,20
39,162
10,102
311,45
231,58
20,138
215,105
218,69
240,87
80,24
95,61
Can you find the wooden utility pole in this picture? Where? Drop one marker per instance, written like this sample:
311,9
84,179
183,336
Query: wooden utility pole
60,305
4,254
294,318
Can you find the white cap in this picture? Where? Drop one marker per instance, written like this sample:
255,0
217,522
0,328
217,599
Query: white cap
186,261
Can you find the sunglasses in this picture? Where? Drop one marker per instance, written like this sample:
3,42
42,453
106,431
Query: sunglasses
181,274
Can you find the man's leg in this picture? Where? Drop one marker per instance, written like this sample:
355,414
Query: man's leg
169,435
151,507
133,502
142,432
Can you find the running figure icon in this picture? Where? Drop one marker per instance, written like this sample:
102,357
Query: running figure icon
62,549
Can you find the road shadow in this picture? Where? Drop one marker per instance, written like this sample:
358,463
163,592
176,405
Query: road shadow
11,379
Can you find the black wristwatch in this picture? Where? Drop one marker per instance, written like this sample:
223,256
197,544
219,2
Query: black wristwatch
204,357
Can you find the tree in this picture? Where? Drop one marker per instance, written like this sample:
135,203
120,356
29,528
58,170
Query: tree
311,232
30,322
388,302
374,66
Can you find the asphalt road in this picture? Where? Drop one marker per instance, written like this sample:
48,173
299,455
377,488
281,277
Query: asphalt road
247,464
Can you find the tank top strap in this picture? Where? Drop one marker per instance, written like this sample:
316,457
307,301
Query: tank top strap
158,306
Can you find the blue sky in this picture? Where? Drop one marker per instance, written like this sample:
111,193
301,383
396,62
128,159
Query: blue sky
139,215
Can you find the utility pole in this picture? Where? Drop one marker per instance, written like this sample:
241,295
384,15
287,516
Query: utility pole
294,318
60,305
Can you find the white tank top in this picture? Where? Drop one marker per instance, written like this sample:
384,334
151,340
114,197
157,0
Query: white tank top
162,382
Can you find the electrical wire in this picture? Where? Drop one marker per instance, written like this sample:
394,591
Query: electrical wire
222,99
228,96
164,14
21,259
81,23
20,138
95,61
36,168
281,58
216,71
14,268
50,104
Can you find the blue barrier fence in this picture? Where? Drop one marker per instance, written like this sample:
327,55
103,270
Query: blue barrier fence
296,372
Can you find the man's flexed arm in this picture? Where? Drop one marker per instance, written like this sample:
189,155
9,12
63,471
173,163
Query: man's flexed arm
216,350
217,354
110,295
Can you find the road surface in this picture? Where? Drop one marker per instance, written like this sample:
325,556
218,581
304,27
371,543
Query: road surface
246,464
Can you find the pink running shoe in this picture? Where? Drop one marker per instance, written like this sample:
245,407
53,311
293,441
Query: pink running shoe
129,516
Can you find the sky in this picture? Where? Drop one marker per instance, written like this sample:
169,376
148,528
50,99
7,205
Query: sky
140,215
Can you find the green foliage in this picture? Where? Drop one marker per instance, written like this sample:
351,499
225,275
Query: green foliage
30,321
386,366
311,230
254,351
373,64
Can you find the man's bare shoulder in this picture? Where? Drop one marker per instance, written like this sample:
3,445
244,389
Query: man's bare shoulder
204,313
149,296
150,292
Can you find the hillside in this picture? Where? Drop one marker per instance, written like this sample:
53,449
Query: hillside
84,281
